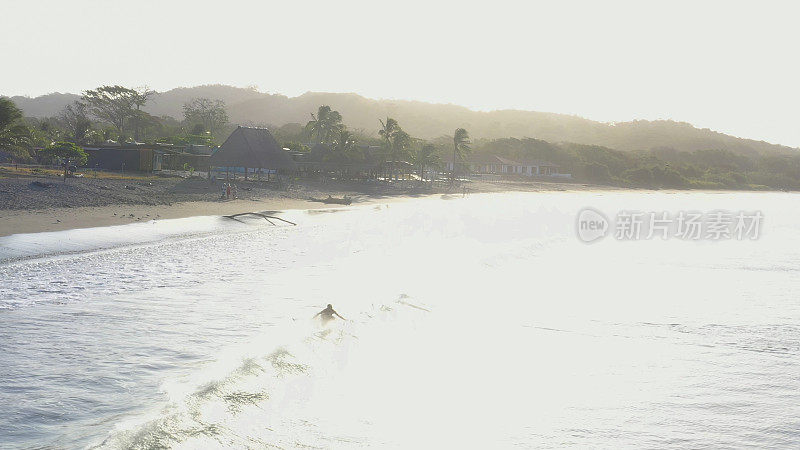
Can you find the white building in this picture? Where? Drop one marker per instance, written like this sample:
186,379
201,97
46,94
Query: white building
497,165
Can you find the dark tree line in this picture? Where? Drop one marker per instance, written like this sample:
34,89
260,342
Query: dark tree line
109,115
116,113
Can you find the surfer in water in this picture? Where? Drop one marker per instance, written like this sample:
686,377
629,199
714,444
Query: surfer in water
326,315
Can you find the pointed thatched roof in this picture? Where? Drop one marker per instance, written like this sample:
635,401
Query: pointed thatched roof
252,147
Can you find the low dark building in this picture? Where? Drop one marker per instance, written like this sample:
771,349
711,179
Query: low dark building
136,159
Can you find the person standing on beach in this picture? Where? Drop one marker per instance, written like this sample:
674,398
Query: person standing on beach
326,315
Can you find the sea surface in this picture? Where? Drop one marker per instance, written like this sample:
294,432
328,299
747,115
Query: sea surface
473,322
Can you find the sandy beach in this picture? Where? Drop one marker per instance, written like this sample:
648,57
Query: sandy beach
57,219
31,204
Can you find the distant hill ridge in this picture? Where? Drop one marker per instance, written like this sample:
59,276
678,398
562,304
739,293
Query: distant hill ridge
427,120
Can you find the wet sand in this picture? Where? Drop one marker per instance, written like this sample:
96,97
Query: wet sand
83,203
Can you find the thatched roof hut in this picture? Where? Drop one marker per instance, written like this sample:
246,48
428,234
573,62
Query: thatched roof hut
252,147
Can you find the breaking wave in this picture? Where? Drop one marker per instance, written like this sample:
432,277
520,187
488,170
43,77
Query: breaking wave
252,396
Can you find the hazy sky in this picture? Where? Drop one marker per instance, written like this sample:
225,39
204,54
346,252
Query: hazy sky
725,65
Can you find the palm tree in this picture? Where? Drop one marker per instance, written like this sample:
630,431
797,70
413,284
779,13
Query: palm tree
388,130
325,124
460,147
395,139
333,125
401,145
15,137
425,156
317,123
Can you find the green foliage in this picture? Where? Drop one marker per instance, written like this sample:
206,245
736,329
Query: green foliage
640,176
209,114
660,167
290,132
426,155
67,151
432,121
325,125
461,143
659,154
461,146
75,118
15,137
396,141
296,146
343,149
112,104
596,172
198,128
667,177
9,113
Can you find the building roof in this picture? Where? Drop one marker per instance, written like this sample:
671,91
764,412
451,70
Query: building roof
252,147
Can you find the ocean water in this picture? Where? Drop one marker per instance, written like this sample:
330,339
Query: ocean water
476,322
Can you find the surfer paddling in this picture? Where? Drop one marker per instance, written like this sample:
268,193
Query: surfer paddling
327,314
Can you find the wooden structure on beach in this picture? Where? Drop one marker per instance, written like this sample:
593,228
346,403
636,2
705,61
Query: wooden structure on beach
252,148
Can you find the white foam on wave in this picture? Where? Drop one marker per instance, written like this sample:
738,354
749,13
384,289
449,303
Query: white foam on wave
31,245
275,389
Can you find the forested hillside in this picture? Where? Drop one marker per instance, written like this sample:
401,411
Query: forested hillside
426,120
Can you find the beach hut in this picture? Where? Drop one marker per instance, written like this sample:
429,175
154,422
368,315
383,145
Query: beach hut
251,148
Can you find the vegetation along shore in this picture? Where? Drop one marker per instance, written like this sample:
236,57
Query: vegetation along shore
67,152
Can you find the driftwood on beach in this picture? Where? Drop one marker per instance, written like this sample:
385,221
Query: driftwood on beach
266,217
333,200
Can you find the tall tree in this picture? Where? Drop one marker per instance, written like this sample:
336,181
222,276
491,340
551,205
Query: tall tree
211,114
143,94
325,125
75,118
68,152
112,104
461,145
145,122
15,137
396,141
388,130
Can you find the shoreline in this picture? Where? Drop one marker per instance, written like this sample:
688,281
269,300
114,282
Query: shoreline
60,219
49,219
28,207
